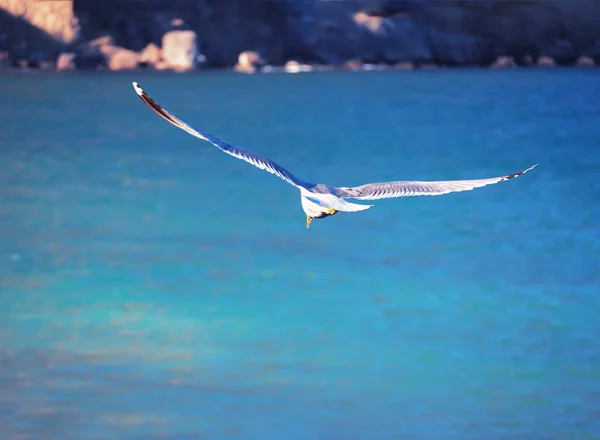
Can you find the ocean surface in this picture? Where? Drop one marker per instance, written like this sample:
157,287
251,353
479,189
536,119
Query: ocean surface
152,287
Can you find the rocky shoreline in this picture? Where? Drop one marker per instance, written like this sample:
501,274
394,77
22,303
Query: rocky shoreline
296,36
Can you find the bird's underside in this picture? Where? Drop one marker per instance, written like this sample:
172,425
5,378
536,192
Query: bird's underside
320,200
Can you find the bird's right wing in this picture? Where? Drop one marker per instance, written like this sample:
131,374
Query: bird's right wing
372,191
238,152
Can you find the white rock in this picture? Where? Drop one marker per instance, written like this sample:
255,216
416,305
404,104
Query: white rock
294,66
180,50
249,61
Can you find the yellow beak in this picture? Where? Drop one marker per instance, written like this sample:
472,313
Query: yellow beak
308,220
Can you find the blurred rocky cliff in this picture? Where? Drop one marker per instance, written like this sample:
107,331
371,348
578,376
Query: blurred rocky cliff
249,34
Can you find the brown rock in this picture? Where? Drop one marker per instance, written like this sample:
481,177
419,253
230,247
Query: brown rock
249,61
391,40
46,65
122,59
65,61
161,65
503,62
585,61
353,65
545,61
374,24
102,41
103,45
5,60
151,55
102,52
55,18
405,66
105,40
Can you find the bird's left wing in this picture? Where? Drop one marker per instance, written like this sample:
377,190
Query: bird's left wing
385,190
238,152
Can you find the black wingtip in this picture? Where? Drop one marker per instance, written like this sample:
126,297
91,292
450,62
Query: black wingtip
154,106
520,173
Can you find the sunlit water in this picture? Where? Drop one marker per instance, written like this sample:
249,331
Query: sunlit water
153,287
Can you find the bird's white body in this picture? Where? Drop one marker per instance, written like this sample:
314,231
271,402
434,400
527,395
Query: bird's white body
314,209
319,205
320,200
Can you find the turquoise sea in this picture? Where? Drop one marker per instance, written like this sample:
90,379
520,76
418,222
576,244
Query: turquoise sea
152,287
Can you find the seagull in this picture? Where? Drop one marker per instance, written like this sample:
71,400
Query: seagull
319,200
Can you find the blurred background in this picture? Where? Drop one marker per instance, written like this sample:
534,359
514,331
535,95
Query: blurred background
152,287
252,34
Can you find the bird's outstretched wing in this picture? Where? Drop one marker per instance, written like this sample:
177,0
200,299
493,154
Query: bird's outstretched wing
241,153
386,190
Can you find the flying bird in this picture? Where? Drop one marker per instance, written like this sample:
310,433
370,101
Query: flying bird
319,200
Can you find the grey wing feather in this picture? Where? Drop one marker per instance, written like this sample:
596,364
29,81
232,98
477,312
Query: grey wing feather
385,190
241,153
